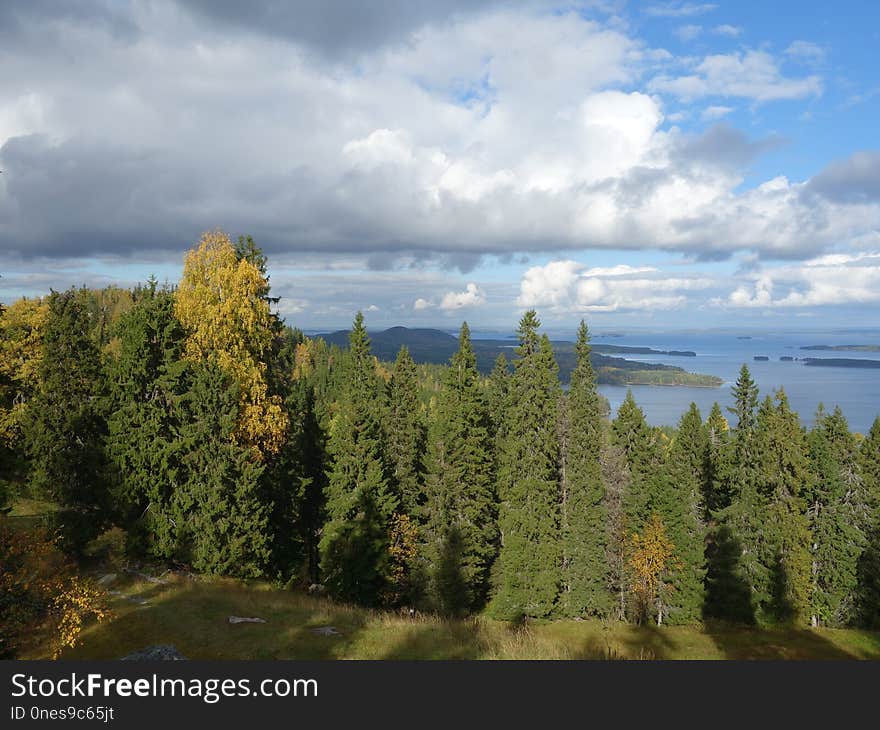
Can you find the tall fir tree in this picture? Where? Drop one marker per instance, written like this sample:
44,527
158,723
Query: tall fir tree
868,595
679,502
638,442
461,533
65,423
718,438
359,502
405,433
583,539
529,559
838,513
147,379
225,527
499,385
785,537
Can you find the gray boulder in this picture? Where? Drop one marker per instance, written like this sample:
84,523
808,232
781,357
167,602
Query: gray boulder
160,652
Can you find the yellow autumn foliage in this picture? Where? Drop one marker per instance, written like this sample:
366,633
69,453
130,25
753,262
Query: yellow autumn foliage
21,351
650,555
220,301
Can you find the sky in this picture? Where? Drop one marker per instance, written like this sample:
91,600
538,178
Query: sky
665,163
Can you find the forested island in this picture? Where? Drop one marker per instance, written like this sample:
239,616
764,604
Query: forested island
840,362
850,348
190,438
433,346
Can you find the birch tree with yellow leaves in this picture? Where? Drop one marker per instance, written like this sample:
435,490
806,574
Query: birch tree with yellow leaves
222,301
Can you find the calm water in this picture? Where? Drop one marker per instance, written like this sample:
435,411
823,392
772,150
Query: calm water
856,391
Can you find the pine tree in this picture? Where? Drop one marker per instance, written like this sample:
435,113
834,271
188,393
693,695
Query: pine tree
679,504
583,539
460,516
355,539
225,527
65,423
529,559
839,522
405,431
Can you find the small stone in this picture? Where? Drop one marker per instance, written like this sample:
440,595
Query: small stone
326,631
246,620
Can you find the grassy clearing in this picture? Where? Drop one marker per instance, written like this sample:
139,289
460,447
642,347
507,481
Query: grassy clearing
192,615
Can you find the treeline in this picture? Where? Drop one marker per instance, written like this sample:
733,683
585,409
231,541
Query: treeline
217,437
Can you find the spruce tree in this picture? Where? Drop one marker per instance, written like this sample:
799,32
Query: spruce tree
499,385
529,560
637,440
679,503
460,514
65,423
839,522
785,537
146,379
868,599
583,538
718,438
359,503
405,433
225,518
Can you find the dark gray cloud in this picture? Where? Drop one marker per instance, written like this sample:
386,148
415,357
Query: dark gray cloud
337,28
853,180
26,17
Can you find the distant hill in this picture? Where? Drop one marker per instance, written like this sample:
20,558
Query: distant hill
436,347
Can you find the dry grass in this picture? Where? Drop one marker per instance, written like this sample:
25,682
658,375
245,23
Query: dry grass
192,615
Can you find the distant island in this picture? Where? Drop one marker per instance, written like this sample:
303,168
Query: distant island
626,349
744,337
840,362
761,358
433,346
843,348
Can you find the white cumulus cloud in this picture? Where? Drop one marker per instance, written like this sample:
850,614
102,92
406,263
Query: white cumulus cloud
472,296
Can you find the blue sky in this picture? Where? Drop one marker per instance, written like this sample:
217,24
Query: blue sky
667,163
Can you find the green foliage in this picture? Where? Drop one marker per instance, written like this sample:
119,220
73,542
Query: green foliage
839,519
360,504
65,423
583,538
225,528
460,533
678,501
405,433
529,560
638,442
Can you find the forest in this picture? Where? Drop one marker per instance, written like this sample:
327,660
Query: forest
194,423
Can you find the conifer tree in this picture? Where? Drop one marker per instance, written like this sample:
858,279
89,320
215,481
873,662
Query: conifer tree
359,503
405,431
718,438
499,384
460,515
65,423
679,504
146,379
868,600
583,539
839,519
637,440
529,560
785,535
225,518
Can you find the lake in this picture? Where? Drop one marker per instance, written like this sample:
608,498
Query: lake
722,353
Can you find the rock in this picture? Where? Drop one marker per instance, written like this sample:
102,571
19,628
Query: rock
326,631
316,589
160,652
107,579
246,620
